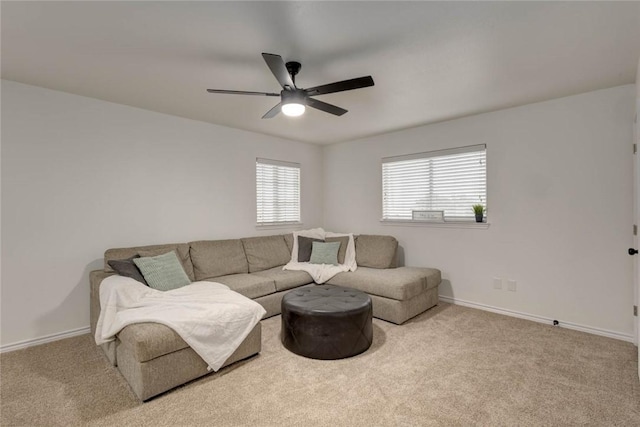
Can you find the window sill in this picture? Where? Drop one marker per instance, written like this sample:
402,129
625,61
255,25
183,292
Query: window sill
280,225
446,224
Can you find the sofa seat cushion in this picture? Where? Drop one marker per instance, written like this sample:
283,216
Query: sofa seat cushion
286,279
250,285
150,340
399,284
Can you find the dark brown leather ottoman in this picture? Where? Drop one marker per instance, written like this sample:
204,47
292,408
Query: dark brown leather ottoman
326,322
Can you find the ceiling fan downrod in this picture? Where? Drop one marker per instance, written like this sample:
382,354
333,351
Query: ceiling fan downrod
293,68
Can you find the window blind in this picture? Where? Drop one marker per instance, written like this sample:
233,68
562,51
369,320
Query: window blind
277,191
446,180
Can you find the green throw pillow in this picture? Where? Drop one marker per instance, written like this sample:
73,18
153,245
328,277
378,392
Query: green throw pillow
325,253
163,272
344,242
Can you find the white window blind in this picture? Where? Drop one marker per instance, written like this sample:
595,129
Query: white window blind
277,192
446,180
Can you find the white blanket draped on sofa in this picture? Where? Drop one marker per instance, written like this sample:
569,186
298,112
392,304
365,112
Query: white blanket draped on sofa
322,272
212,319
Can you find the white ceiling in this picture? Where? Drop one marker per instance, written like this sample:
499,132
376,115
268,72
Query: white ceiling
431,61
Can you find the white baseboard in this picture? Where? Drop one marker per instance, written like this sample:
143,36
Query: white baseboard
540,319
43,340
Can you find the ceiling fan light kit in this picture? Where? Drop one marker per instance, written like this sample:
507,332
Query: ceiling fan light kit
294,100
293,103
293,109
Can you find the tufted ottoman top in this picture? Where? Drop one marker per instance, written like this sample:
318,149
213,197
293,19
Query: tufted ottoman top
326,299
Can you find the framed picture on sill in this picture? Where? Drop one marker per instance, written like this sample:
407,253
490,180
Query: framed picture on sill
428,216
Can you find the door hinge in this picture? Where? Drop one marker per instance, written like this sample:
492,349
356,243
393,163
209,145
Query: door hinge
635,148
635,230
635,310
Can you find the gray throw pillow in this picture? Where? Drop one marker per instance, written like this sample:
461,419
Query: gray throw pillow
163,272
127,268
344,241
304,248
325,253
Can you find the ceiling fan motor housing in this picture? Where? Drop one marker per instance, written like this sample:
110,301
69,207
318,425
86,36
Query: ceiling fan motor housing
296,96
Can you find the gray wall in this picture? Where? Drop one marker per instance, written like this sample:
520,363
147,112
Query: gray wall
81,175
560,208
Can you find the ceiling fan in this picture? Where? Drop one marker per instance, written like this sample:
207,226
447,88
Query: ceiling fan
294,99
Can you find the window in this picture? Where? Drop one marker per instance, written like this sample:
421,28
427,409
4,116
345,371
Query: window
446,180
277,192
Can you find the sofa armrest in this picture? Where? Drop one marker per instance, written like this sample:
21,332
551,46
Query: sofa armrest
95,278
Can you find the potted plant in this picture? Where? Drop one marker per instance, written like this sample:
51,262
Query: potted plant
479,210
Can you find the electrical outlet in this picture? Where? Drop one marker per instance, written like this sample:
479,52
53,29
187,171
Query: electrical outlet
497,283
511,285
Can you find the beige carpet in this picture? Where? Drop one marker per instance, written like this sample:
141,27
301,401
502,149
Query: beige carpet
450,366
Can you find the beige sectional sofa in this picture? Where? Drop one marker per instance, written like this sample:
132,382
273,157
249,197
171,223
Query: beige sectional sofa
154,359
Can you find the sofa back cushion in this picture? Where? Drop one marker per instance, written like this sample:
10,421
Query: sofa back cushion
182,251
376,251
289,239
214,258
266,252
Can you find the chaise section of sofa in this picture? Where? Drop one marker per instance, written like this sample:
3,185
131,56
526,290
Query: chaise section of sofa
154,359
150,356
397,293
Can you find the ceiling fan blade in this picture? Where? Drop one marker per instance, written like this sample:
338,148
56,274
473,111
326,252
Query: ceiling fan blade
273,112
327,108
356,83
279,70
241,92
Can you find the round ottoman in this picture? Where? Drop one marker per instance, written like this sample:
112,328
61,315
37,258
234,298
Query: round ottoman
326,322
